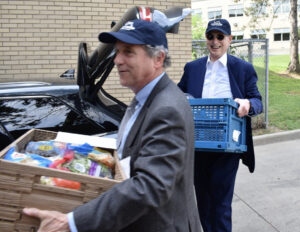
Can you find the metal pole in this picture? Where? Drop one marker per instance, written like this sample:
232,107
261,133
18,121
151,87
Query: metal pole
250,52
267,84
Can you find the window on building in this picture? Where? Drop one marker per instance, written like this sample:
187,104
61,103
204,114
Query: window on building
214,13
236,10
258,34
261,10
281,6
197,12
282,34
237,35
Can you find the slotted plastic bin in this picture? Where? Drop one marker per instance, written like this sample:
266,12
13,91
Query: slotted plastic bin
217,126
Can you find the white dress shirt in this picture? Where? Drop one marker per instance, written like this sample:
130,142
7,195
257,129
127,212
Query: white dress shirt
141,97
216,82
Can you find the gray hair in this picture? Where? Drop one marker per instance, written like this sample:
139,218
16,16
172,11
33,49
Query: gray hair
155,51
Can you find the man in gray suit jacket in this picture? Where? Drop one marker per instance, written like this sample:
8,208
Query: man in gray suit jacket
158,141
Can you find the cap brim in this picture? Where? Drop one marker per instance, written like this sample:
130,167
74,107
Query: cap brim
217,29
112,37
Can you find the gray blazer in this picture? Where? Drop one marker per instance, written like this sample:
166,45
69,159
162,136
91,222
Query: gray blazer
159,196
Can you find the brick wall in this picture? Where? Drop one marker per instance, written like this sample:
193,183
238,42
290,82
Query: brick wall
39,39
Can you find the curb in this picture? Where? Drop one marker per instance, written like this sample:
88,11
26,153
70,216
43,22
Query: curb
276,137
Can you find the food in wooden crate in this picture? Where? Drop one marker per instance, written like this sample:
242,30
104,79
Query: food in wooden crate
46,148
31,159
83,159
102,156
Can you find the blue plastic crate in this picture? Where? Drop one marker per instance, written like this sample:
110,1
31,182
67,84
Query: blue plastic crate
217,126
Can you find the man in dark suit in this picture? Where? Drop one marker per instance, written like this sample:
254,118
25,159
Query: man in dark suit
220,75
158,142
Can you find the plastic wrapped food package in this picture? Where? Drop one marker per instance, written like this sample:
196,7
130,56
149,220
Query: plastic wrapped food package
31,159
46,148
102,156
83,159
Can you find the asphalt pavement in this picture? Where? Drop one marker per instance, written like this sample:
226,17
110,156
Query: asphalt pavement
268,200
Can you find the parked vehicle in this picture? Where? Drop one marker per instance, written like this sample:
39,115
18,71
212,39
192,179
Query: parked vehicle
85,108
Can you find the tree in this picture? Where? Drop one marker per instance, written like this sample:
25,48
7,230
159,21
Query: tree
255,12
198,30
294,62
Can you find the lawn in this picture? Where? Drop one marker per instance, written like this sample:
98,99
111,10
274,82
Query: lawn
284,96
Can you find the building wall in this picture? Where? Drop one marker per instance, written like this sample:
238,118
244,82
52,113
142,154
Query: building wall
39,39
241,23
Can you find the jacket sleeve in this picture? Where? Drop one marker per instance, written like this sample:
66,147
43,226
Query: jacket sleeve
183,81
252,92
157,167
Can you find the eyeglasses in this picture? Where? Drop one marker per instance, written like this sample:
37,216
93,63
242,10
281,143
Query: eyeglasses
219,37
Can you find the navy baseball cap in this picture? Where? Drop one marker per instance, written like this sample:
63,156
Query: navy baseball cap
221,25
137,32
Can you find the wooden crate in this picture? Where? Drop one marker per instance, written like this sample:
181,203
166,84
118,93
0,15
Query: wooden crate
20,187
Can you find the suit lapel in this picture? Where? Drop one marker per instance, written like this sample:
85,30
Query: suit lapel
139,121
201,74
236,93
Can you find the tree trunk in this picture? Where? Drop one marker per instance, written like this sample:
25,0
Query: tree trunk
294,63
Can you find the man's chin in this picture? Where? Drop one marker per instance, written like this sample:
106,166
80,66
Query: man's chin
216,53
123,82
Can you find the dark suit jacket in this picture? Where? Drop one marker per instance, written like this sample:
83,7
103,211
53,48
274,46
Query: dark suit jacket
159,196
242,78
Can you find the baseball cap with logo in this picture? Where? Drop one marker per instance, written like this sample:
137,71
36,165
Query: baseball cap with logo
137,32
221,25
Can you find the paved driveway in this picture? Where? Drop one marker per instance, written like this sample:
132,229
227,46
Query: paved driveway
268,200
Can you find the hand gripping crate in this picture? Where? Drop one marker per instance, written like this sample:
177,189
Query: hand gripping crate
20,187
217,126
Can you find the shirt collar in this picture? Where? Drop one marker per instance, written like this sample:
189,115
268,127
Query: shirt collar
143,94
222,60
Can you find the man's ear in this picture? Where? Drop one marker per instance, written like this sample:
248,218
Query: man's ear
159,59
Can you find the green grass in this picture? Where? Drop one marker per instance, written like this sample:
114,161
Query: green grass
278,64
284,96
284,102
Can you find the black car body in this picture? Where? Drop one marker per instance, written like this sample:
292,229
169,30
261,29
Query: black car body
85,108
56,108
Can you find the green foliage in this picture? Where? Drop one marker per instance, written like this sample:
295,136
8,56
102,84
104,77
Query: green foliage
198,28
198,31
257,11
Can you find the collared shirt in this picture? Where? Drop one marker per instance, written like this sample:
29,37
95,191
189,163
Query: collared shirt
141,97
216,82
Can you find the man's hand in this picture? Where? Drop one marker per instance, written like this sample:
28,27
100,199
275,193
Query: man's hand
244,107
51,221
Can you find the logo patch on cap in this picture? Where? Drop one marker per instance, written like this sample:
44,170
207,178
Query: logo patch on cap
128,26
137,32
217,24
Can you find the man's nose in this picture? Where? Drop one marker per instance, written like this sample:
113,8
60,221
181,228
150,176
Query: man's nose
215,39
